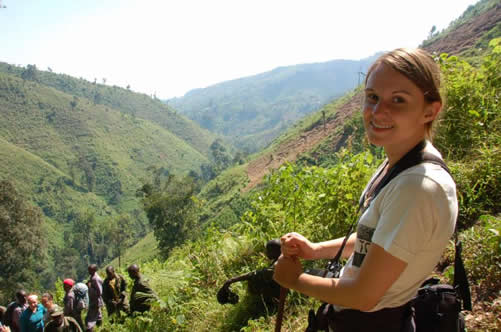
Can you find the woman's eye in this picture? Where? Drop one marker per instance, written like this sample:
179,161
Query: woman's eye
398,100
372,98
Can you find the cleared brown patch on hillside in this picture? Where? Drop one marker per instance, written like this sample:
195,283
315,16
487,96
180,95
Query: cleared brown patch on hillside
466,35
290,150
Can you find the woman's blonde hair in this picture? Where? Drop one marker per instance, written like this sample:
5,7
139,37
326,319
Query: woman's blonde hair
420,68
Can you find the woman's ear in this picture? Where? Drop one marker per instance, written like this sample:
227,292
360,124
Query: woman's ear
431,111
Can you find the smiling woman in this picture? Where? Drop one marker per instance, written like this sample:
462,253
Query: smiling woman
405,226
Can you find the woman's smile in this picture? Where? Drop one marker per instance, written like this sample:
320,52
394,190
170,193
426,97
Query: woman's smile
377,126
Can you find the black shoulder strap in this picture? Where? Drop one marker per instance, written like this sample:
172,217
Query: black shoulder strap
461,283
414,157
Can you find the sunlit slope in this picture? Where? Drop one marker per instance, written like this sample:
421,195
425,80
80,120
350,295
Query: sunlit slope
123,100
32,175
92,148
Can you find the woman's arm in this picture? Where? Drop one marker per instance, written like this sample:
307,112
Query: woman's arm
294,244
377,273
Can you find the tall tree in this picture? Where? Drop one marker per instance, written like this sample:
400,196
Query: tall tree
30,73
22,241
121,232
171,209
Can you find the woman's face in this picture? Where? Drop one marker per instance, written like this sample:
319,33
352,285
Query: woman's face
32,302
395,111
47,303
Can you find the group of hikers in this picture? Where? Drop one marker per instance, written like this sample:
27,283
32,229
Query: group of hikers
26,314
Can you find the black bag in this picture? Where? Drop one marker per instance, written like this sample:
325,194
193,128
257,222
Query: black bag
437,308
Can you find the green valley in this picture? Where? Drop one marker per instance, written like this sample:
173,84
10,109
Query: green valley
100,174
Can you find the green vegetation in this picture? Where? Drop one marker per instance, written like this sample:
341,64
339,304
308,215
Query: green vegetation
320,202
129,103
20,223
171,209
316,202
81,162
470,131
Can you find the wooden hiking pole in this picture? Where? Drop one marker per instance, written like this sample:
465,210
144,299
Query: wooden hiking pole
281,305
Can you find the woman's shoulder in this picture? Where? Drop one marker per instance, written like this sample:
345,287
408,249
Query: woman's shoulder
427,175
424,179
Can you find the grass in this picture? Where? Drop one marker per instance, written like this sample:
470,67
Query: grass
143,251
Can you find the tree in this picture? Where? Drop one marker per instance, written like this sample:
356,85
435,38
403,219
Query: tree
74,102
86,167
83,229
432,32
22,240
97,97
30,73
220,156
171,210
121,233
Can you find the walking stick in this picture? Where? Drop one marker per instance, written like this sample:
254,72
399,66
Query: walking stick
281,305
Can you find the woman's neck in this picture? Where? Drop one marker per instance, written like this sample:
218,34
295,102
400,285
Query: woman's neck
395,152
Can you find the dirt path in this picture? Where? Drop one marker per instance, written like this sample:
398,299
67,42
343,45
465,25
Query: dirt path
290,150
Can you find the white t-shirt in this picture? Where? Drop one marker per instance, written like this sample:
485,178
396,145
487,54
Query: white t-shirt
413,218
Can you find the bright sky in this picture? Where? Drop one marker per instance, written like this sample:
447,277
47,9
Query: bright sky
169,47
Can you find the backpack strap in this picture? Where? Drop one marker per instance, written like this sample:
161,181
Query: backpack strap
461,284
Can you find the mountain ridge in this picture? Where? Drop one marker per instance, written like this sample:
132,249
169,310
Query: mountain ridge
253,110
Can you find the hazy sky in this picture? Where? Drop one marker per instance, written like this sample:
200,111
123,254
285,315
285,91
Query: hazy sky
172,46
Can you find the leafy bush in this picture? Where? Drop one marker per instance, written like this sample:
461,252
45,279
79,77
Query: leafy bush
478,185
470,131
317,202
473,114
482,254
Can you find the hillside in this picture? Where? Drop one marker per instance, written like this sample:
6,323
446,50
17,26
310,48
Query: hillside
82,157
78,160
123,100
469,33
252,111
118,147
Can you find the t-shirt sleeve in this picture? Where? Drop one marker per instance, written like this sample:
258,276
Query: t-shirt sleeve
410,213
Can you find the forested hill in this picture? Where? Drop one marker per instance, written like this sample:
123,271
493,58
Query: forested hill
79,151
252,111
123,100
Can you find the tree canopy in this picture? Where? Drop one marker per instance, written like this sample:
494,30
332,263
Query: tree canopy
22,241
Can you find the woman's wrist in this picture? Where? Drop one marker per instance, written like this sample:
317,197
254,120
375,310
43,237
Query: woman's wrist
316,250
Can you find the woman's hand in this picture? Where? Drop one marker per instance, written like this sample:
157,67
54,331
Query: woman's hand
287,271
296,245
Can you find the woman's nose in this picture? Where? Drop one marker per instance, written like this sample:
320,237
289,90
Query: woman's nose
380,107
